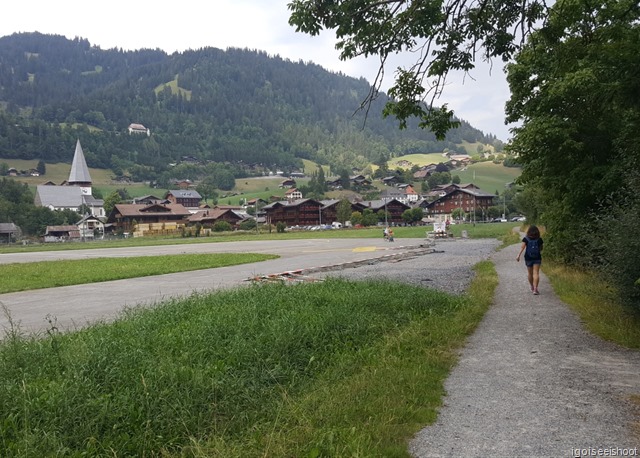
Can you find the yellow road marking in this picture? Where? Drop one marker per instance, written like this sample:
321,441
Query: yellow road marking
363,249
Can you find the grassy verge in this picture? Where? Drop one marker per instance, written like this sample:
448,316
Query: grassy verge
595,303
328,369
49,274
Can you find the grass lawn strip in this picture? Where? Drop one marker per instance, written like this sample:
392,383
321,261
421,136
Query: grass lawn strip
336,368
49,274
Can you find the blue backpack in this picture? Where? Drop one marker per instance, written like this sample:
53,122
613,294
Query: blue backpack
533,248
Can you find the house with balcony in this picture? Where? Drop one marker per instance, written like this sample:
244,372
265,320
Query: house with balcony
188,198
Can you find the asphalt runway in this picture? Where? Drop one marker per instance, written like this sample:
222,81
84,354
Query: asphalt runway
73,307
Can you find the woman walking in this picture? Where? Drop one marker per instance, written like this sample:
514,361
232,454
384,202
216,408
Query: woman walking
532,247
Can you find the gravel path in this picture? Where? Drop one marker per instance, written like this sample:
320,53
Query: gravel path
531,382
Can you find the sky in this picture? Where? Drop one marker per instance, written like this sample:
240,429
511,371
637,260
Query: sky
478,98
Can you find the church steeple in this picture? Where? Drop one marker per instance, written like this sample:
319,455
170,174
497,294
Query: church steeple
79,175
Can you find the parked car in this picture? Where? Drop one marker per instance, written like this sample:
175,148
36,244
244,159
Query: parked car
499,220
518,218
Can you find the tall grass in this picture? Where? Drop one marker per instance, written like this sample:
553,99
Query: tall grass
596,302
335,368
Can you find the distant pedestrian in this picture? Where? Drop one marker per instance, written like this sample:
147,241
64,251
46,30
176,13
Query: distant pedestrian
532,246
391,235
385,233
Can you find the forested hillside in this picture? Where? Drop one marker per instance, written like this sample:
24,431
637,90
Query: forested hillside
239,106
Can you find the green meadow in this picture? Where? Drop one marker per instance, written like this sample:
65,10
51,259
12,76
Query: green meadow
336,368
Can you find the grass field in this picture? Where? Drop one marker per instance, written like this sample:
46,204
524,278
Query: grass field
328,369
488,176
418,159
50,274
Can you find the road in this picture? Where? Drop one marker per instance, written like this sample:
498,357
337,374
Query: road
72,307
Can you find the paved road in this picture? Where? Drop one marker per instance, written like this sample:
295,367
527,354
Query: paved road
75,306
532,382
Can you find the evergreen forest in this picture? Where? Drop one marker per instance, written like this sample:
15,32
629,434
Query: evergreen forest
234,106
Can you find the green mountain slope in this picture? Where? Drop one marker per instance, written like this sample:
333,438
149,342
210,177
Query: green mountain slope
236,106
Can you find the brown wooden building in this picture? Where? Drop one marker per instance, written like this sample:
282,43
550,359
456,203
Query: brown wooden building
207,218
126,217
469,199
303,212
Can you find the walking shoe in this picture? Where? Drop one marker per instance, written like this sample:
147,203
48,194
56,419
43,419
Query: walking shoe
535,291
532,288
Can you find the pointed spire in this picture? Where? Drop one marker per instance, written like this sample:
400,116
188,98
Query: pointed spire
79,171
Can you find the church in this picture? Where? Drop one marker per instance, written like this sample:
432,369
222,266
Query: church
74,193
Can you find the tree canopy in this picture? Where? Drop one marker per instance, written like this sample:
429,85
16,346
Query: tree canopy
575,90
444,35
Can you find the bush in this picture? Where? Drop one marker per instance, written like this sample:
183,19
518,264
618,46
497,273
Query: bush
247,224
280,227
222,226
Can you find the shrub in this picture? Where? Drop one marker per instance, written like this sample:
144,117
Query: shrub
222,226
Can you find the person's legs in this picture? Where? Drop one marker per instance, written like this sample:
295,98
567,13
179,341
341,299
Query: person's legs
536,277
530,277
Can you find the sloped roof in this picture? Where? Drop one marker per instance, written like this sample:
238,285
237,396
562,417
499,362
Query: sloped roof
133,210
8,228
64,196
213,214
79,170
58,196
185,194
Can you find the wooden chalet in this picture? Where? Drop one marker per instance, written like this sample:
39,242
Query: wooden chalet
302,212
470,199
185,197
61,233
153,219
207,218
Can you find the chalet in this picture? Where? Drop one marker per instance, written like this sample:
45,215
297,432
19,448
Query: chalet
392,193
135,128
207,218
149,199
61,234
394,208
409,194
256,201
303,212
360,181
470,199
185,197
293,194
73,194
12,172
183,184
390,180
9,232
296,175
151,219
91,226
335,184
329,210
425,172
288,183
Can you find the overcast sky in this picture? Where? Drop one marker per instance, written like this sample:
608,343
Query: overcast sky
253,24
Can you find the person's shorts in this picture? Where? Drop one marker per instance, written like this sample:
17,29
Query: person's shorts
531,262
